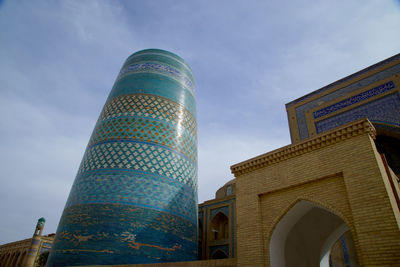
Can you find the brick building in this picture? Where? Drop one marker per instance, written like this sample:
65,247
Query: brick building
337,178
24,253
331,198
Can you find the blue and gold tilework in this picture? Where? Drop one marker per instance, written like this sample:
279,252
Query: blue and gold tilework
390,70
382,111
134,199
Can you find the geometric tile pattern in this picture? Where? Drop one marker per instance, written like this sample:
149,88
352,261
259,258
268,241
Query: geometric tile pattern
224,210
149,130
385,110
150,106
134,199
136,188
147,118
137,82
354,99
140,156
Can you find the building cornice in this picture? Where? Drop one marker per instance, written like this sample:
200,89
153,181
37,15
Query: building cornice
217,200
347,131
16,244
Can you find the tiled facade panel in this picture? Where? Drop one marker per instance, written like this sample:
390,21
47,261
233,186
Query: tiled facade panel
134,199
385,110
306,104
207,212
106,233
224,210
354,99
160,85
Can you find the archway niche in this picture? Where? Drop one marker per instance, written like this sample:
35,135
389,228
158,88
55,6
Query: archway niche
219,254
14,259
219,227
21,259
305,235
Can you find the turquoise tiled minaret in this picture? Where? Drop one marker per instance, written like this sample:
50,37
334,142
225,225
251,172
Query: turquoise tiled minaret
134,199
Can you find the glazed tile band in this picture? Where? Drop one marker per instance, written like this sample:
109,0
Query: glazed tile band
134,199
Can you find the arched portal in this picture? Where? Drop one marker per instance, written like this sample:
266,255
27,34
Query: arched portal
16,257
3,258
13,259
21,259
219,254
6,260
220,227
305,235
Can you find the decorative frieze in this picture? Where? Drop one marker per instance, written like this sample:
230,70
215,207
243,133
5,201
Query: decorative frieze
347,131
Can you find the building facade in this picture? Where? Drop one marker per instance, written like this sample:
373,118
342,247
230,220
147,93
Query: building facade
24,253
217,225
134,199
372,93
331,198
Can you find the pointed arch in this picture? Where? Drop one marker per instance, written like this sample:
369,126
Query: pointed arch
21,259
219,226
305,222
13,259
219,254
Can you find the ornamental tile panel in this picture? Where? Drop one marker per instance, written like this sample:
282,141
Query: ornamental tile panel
385,110
134,199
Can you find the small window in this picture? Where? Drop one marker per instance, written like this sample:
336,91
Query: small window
229,190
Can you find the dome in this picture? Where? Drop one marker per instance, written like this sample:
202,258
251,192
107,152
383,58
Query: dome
226,190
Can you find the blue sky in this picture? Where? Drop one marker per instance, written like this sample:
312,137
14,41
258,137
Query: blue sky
59,60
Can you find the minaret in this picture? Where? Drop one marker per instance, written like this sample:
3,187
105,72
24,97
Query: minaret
134,199
33,249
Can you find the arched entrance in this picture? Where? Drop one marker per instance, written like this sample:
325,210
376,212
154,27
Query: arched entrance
219,254
219,227
305,235
21,259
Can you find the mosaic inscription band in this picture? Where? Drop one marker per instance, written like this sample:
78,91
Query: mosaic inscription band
134,199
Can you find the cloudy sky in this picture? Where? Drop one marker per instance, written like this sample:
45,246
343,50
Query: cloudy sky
59,60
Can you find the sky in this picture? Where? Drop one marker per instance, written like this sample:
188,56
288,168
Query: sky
59,60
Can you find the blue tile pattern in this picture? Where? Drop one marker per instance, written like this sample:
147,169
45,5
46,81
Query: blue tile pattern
346,256
129,187
301,110
210,210
345,79
156,67
124,234
134,199
385,110
152,107
141,156
167,58
354,99
224,210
